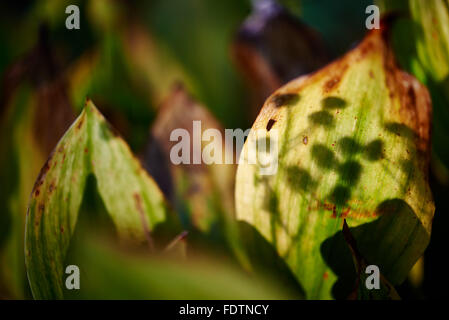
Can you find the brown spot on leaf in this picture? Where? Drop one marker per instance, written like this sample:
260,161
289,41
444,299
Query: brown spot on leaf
280,100
146,229
40,211
41,177
345,212
331,84
270,124
51,187
305,140
80,123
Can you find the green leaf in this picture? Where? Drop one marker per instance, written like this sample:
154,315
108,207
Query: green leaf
421,43
131,197
28,103
386,290
20,162
353,142
109,273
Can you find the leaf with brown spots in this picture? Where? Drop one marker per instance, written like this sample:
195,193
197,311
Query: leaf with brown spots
354,144
421,43
131,197
206,190
203,194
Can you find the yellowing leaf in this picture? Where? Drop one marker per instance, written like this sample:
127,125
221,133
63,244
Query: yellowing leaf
202,193
353,143
421,43
131,197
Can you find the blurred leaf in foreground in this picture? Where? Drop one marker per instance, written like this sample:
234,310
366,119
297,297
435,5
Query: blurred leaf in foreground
108,273
131,197
353,143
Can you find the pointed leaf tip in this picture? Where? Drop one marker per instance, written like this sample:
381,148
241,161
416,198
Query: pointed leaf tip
88,147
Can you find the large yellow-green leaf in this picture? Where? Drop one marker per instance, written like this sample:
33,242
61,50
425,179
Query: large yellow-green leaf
131,197
353,143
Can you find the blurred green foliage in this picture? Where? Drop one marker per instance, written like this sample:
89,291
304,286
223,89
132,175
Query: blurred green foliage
186,41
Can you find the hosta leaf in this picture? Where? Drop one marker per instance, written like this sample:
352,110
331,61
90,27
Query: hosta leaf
130,196
353,142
